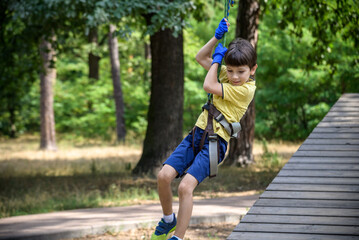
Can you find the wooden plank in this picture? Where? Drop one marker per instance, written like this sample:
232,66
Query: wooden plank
313,187
318,220
346,101
336,129
334,135
338,124
331,160
303,211
349,96
308,153
316,173
307,203
316,180
310,195
286,236
312,147
343,99
341,119
298,228
321,166
347,104
344,109
333,141
341,114
352,99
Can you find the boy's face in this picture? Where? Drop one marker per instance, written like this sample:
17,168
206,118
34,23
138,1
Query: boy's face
238,75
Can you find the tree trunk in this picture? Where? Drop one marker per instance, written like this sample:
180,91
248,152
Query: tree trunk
247,21
241,149
93,60
164,130
47,77
116,80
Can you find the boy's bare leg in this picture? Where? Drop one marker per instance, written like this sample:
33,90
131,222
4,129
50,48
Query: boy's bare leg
185,193
164,179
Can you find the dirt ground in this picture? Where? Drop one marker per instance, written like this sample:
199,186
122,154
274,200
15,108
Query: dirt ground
195,232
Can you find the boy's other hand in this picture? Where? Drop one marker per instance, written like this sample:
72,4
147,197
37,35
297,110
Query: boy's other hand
219,54
222,28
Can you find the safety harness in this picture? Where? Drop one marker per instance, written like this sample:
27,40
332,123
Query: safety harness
231,128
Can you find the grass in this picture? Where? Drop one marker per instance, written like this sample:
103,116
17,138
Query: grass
99,175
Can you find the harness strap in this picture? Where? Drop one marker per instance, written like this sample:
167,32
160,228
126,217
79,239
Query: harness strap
213,143
236,127
231,128
205,133
212,139
214,150
213,154
193,131
224,123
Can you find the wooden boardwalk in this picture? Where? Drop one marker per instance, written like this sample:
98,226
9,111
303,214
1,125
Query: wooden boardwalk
316,194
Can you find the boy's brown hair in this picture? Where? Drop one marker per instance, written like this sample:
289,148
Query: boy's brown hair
240,52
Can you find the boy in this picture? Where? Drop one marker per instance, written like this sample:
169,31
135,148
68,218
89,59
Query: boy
231,97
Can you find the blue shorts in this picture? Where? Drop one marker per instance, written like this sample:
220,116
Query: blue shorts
183,157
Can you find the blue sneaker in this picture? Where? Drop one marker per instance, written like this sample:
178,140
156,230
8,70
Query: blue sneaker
173,238
163,229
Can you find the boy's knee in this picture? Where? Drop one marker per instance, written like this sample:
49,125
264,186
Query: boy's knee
164,177
184,189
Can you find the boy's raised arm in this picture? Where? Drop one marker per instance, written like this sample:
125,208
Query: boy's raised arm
211,85
204,55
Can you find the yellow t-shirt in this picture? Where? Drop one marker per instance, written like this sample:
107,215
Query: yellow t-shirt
232,105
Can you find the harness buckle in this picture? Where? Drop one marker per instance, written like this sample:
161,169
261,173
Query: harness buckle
219,118
213,138
206,106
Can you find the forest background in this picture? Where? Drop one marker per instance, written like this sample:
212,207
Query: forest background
293,92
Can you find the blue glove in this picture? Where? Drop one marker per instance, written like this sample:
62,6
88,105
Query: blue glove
221,30
219,54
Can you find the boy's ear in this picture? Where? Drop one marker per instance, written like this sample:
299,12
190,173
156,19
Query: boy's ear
253,70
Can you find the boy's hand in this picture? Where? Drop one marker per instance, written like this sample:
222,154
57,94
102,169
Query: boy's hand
222,29
219,54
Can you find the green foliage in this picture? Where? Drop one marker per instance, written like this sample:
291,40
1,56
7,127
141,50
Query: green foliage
18,62
294,93
325,20
86,108
166,14
82,107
